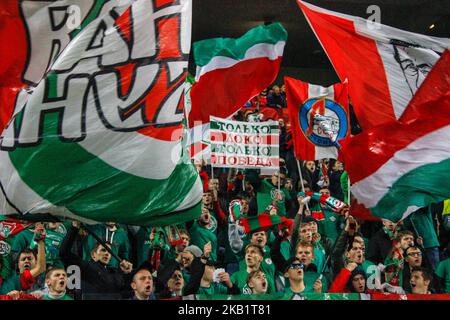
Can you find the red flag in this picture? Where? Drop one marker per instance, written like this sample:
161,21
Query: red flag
232,71
319,118
385,66
10,227
397,168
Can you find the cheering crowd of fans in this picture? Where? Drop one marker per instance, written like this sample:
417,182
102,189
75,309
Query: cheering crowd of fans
320,251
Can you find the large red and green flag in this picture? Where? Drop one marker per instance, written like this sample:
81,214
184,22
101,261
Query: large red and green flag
319,118
402,166
384,66
230,72
92,98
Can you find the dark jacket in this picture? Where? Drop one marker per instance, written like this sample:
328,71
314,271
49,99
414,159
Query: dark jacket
435,286
337,256
379,247
276,100
197,270
335,184
98,281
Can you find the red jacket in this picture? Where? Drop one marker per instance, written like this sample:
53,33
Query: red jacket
339,284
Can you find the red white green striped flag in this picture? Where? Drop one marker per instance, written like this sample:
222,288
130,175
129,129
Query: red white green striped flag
230,71
385,66
96,129
400,167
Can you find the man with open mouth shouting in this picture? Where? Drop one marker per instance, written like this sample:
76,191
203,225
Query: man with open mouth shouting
30,266
56,280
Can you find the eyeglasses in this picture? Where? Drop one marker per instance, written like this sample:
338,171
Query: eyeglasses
415,254
297,265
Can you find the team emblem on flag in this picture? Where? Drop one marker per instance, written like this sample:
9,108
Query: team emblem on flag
319,118
6,229
323,121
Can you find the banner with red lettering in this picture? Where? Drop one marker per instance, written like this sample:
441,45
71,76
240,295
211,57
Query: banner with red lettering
236,144
91,110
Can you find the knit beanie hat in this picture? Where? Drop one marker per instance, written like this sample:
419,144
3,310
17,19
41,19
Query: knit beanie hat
196,251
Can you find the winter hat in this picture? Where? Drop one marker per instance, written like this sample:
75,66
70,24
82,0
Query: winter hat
355,272
196,251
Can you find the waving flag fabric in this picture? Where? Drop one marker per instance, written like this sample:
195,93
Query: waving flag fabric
229,73
385,66
402,166
96,129
319,118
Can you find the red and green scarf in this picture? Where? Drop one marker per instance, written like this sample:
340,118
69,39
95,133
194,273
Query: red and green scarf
265,221
331,203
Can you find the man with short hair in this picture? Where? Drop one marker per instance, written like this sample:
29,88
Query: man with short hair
175,251
305,252
112,233
175,284
422,223
202,280
275,99
56,281
203,230
257,282
328,221
253,259
306,234
257,237
142,285
413,258
294,272
381,243
350,245
406,239
99,279
30,266
420,280
268,193
184,235
395,262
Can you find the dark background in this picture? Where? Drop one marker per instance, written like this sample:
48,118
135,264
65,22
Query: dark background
304,58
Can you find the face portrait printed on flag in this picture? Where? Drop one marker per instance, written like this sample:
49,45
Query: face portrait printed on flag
385,66
95,129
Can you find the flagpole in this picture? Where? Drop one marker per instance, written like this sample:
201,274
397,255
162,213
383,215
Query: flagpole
279,182
301,181
92,233
348,181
